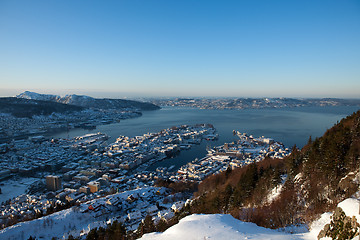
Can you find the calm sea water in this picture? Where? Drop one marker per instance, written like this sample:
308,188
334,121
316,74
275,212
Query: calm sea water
287,125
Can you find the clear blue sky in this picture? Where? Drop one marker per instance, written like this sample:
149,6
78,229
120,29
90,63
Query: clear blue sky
181,48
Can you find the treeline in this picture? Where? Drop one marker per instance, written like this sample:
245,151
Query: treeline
235,191
117,230
325,161
175,187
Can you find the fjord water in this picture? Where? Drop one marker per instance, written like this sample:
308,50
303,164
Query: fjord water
287,125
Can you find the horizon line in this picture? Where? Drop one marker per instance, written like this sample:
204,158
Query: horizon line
181,96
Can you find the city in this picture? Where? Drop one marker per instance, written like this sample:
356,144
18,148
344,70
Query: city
173,120
83,170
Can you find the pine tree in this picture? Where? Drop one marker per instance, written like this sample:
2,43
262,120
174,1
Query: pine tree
161,226
309,141
92,235
146,226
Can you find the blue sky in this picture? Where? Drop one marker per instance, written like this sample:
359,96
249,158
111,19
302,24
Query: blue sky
181,48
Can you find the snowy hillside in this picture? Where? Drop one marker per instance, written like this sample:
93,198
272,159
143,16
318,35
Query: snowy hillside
223,226
132,206
79,220
216,226
89,102
37,96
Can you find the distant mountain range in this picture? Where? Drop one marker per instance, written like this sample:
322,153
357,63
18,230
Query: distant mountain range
245,103
89,102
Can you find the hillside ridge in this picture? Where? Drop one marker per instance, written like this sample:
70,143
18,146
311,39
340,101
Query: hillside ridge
90,102
21,107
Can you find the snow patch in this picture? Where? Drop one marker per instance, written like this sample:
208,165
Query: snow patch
275,192
317,226
351,207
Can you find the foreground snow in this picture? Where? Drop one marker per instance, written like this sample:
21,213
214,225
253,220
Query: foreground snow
216,226
222,226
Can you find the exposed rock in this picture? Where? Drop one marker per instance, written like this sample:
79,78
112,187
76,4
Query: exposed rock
348,182
340,227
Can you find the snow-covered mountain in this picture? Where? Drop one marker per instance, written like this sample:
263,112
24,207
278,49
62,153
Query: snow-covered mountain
38,96
89,102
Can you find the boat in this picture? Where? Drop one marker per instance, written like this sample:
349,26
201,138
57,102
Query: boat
185,146
194,141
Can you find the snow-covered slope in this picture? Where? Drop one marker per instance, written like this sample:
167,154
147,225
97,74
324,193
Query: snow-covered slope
351,207
72,99
217,226
222,226
89,102
38,96
77,220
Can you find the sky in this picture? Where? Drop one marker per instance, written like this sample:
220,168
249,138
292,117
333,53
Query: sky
155,48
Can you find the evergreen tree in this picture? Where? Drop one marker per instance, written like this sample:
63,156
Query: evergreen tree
92,235
146,226
161,226
309,141
228,171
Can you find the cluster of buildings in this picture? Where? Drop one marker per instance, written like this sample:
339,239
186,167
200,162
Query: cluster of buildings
21,128
128,207
84,168
27,158
236,154
245,103
102,178
23,207
133,206
150,147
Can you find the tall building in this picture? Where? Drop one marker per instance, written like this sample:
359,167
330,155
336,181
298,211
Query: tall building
53,183
94,186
